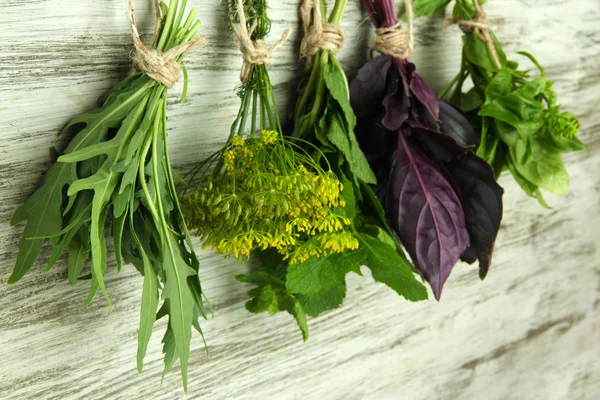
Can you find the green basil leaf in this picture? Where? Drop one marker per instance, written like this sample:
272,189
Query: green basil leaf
423,8
544,168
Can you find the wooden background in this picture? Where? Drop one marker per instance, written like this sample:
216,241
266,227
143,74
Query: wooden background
530,331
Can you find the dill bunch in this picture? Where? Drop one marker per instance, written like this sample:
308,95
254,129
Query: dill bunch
262,190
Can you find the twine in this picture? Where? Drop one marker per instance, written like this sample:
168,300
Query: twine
321,35
479,26
255,52
393,40
159,66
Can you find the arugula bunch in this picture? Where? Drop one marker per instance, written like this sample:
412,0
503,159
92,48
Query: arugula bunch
523,129
324,122
116,172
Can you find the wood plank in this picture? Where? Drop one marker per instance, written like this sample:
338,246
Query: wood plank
531,330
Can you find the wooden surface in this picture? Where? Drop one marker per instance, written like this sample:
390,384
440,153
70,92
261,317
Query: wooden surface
531,330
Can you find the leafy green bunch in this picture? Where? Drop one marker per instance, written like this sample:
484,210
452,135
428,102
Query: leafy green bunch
523,129
261,190
324,125
116,172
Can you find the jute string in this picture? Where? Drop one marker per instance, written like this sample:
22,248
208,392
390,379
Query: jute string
393,40
255,52
159,66
479,26
320,35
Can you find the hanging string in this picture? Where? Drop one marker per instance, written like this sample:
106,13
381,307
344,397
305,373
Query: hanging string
479,26
161,67
320,35
393,40
255,52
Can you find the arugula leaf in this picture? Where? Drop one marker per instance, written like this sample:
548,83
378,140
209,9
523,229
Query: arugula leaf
117,167
148,309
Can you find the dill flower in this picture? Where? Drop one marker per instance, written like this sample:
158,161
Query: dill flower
263,196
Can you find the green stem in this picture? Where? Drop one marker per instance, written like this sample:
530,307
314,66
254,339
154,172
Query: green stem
451,84
338,12
167,27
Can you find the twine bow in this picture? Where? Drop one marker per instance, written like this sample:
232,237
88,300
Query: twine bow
162,67
393,40
321,35
479,26
255,52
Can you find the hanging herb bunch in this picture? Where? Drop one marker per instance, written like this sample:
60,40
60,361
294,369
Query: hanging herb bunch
116,172
258,192
521,124
440,198
263,192
324,128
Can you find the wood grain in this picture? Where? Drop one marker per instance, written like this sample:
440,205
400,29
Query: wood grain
531,330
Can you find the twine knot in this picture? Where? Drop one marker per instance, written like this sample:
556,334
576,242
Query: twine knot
479,26
255,52
162,67
320,35
393,40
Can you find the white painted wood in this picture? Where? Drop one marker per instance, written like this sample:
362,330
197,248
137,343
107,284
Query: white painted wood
531,330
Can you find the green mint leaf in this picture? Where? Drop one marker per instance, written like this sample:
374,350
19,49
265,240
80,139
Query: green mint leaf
329,299
320,273
264,298
293,306
342,121
389,268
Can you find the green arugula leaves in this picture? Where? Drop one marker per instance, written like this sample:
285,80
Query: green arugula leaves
116,171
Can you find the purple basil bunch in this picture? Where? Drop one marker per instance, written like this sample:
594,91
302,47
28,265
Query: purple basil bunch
440,198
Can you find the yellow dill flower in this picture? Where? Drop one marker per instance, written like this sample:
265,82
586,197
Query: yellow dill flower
265,197
237,141
337,242
269,137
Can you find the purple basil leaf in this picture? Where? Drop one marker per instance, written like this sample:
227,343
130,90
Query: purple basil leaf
423,92
456,125
373,137
482,203
470,255
397,107
406,70
427,215
421,116
368,89
437,145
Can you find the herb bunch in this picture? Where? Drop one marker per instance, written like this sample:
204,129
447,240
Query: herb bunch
521,124
440,198
116,172
261,190
324,122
